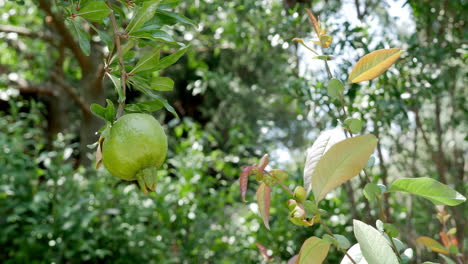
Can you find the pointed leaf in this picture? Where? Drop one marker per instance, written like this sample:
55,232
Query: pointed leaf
354,125
373,64
433,245
117,85
428,188
371,190
147,62
325,41
162,84
95,11
83,38
355,253
374,246
144,107
313,251
169,60
263,251
301,41
164,101
178,17
244,180
144,13
321,145
263,201
314,21
341,162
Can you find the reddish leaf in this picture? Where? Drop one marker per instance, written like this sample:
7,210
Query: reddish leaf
433,245
263,201
293,259
263,250
263,163
244,180
444,238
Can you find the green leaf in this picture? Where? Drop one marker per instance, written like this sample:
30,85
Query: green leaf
154,35
166,4
373,64
263,201
118,86
147,62
144,107
370,162
95,11
354,125
428,188
371,190
390,229
447,259
314,154
104,37
162,84
178,17
335,88
164,101
313,251
83,38
144,13
374,246
433,245
169,60
343,242
325,41
341,162
323,57
107,113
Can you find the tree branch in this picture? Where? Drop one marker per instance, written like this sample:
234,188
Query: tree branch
25,32
67,37
71,91
26,87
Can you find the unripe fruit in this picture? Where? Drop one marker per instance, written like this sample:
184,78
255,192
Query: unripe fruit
134,148
300,194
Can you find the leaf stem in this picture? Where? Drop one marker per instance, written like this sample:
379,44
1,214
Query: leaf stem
395,249
280,183
331,234
121,59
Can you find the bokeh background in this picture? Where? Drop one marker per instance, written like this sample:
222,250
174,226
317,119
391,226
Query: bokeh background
244,89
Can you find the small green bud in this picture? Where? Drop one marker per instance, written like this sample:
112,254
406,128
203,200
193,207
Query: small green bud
300,194
279,175
291,204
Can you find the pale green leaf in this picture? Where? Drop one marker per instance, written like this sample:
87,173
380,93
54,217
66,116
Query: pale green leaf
144,107
313,251
263,201
371,190
354,125
428,188
321,145
169,60
335,88
373,64
341,162
118,86
373,244
355,253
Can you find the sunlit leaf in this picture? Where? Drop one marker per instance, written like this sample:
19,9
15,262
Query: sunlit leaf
314,21
313,251
301,41
95,11
373,244
341,162
428,188
355,253
354,125
433,245
321,145
373,64
325,41
263,201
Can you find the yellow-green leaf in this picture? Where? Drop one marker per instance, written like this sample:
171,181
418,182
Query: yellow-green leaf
433,245
313,251
263,201
373,64
341,162
325,41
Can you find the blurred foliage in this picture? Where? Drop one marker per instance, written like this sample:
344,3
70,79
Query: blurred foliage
241,91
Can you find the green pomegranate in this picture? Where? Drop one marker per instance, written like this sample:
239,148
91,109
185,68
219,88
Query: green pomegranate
134,149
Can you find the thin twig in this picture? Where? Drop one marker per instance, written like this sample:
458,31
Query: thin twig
121,59
331,234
